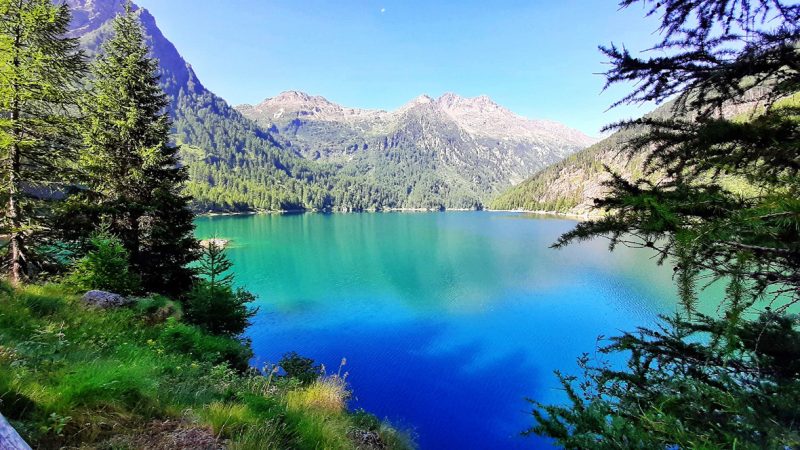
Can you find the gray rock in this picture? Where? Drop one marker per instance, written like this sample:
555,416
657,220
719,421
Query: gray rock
103,299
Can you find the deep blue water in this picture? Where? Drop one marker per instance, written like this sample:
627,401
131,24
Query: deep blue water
448,320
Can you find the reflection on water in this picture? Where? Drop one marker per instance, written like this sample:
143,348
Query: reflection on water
448,320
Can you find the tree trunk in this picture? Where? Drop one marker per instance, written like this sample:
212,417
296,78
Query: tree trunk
17,243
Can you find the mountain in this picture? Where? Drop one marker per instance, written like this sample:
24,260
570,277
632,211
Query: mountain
296,151
233,164
466,135
460,150
571,185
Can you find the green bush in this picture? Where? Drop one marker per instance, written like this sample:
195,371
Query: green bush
190,340
106,267
300,368
157,308
219,309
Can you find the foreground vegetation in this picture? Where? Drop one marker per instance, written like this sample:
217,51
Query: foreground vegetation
139,377
726,209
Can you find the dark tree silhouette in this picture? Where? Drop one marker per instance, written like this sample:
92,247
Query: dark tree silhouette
727,209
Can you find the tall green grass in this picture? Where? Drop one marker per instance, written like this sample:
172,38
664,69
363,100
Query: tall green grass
72,376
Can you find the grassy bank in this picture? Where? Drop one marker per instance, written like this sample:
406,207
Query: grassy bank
138,377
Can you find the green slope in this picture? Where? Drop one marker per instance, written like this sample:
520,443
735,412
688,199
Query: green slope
571,185
72,376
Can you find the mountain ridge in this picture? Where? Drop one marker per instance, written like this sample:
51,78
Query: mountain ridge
571,185
492,134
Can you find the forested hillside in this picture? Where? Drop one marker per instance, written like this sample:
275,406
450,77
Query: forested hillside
570,186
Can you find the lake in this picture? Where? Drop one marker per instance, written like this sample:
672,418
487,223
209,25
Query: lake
448,320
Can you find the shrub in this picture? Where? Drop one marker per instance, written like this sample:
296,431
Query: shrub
300,368
219,309
328,395
187,339
106,267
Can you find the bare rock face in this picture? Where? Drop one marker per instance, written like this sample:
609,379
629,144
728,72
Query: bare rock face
90,15
105,300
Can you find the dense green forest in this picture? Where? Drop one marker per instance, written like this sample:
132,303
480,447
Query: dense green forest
234,166
726,208
118,329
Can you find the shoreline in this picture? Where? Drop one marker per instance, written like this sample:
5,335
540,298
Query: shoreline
586,216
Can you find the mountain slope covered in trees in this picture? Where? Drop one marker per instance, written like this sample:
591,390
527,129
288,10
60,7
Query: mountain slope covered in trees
570,186
430,157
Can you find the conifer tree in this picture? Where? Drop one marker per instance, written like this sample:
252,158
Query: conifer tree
732,72
40,73
132,170
213,303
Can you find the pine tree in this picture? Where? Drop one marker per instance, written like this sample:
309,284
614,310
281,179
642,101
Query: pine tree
213,303
732,72
40,73
132,170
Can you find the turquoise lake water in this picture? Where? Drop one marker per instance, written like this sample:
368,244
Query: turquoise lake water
448,320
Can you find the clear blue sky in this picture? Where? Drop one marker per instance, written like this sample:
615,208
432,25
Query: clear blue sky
536,57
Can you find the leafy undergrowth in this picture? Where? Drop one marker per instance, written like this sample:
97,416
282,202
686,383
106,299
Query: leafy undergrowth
76,377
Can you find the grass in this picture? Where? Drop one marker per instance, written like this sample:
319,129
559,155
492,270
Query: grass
327,395
71,376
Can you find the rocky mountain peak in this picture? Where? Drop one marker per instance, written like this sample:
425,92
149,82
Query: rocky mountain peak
421,103
298,98
90,15
454,103
423,99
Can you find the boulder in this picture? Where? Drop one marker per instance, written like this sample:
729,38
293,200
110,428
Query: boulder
103,299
